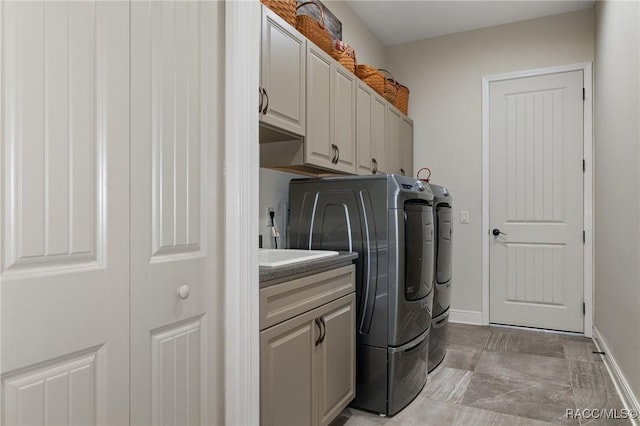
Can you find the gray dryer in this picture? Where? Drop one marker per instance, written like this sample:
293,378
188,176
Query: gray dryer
442,216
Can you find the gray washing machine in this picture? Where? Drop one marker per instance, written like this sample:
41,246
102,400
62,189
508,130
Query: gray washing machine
443,221
388,220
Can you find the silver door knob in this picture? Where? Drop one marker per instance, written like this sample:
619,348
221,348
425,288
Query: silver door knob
184,291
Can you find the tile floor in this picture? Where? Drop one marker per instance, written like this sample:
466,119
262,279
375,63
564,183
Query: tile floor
506,376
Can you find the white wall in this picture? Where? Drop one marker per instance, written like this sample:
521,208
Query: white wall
274,192
444,75
274,185
617,183
369,50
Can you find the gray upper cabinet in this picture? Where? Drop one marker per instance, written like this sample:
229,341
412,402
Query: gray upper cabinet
331,135
394,150
282,75
344,122
319,148
371,130
317,117
406,146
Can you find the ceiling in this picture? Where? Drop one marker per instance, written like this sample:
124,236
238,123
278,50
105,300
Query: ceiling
396,22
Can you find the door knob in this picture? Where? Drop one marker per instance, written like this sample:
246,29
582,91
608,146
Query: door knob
497,232
184,291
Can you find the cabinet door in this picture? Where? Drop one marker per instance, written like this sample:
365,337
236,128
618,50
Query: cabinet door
344,118
364,98
406,146
282,74
318,148
394,152
379,133
371,131
336,358
287,374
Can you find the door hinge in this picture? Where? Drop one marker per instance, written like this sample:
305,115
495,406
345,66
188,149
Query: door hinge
584,308
584,94
584,236
584,165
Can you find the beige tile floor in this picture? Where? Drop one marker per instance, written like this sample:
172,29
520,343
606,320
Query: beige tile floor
506,376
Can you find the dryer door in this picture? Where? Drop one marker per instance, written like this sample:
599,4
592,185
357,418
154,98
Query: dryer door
410,271
418,230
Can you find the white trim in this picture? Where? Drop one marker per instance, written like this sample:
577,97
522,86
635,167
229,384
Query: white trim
465,317
586,68
241,323
627,396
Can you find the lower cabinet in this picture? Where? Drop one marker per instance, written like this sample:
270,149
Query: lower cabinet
307,362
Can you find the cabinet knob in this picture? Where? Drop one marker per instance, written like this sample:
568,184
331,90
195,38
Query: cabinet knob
184,291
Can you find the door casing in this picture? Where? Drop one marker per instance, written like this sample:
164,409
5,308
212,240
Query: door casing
586,68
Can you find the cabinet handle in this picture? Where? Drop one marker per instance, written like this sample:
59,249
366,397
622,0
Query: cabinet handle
323,333
321,337
334,158
402,171
261,99
338,157
266,107
375,166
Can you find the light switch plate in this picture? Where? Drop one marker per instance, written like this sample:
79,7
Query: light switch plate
464,216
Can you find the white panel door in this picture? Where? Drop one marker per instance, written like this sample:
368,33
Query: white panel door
64,277
536,201
173,138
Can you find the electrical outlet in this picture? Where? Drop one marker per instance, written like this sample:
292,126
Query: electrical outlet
269,211
464,216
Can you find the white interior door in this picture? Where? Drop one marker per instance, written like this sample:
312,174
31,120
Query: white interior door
173,152
64,282
536,201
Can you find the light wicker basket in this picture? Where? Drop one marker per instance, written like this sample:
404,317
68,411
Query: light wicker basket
372,77
286,9
314,30
390,87
402,99
344,54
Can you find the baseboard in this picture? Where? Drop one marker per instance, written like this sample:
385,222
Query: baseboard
629,400
465,317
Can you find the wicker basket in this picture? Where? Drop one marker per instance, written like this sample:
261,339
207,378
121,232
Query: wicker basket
390,87
372,77
286,9
344,54
402,99
314,30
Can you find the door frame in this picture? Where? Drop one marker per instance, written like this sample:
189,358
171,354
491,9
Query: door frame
586,68
241,391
